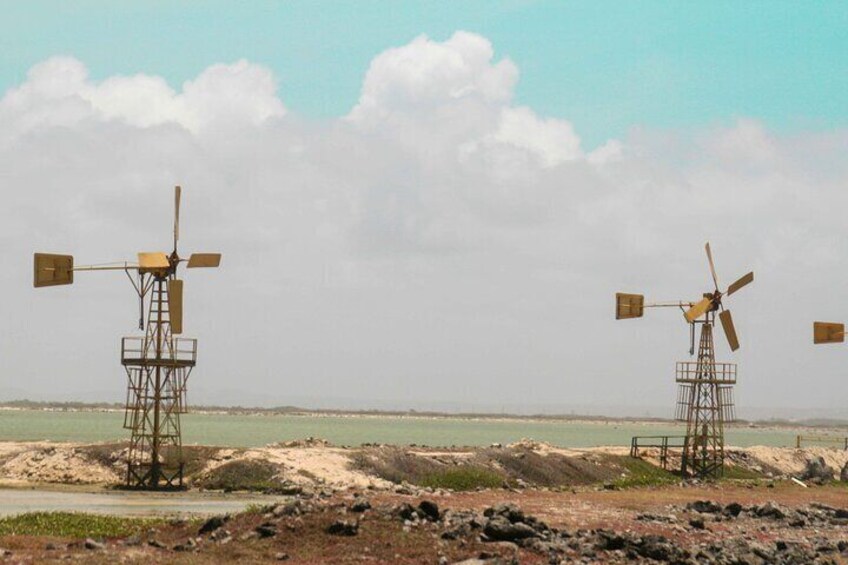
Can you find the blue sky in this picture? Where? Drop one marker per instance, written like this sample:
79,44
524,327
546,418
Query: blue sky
451,240
605,66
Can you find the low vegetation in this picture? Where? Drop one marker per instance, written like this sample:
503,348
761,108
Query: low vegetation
737,472
550,469
401,466
73,525
494,468
640,473
463,477
395,464
247,475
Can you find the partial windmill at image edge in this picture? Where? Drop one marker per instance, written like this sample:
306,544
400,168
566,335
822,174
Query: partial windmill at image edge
828,332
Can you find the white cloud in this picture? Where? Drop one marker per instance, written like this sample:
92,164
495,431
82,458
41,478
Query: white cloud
553,140
58,92
452,98
241,92
747,142
608,152
426,74
437,243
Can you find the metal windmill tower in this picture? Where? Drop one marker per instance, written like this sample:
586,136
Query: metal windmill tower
705,395
157,364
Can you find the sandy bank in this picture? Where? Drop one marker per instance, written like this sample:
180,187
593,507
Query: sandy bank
314,464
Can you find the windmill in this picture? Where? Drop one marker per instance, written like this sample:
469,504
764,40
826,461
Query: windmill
157,364
705,399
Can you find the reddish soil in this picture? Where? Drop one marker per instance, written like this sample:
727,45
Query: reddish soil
383,538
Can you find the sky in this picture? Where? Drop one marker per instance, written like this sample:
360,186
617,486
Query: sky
429,205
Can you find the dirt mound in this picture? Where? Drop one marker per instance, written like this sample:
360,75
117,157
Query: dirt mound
55,464
490,467
243,474
324,467
793,462
311,463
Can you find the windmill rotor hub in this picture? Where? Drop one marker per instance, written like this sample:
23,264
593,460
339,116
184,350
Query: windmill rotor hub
715,297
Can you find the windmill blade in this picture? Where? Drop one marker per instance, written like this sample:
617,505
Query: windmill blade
177,194
729,329
743,281
712,266
698,310
50,269
175,305
200,260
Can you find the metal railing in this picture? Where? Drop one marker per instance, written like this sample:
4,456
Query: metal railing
656,442
829,441
705,371
179,349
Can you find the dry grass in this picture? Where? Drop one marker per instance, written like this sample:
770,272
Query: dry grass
550,470
491,468
398,465
395,464
106,454
247,474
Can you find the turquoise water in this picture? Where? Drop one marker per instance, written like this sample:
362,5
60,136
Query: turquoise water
258,430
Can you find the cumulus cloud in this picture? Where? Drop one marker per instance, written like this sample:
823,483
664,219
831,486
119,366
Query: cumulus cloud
454,96
439,245
427,74
58,92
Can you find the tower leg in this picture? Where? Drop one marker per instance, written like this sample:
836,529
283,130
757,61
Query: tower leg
703,452
154,401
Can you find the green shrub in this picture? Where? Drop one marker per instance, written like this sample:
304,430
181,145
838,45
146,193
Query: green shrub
73,524
735,472
462,477
640,473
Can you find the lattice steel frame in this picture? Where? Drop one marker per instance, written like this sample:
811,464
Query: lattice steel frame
158,366
705,402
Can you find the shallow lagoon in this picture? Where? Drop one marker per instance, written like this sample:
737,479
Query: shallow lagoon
240,430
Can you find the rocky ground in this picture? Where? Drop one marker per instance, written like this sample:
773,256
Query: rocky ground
763,523
523,503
